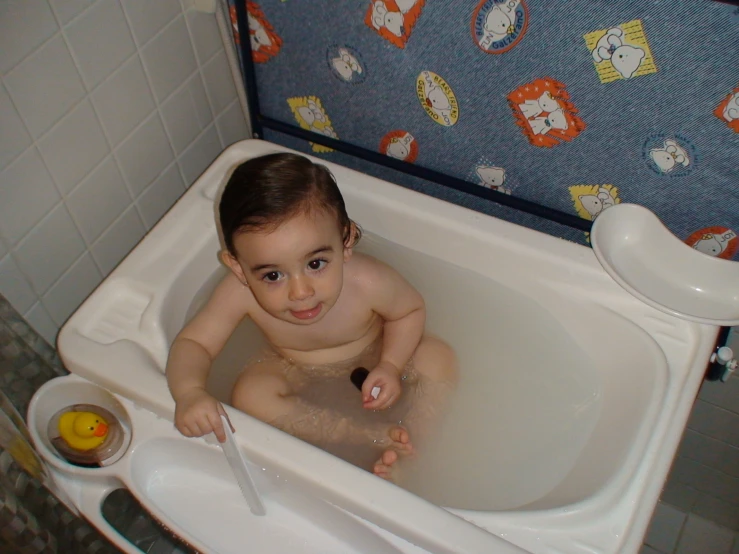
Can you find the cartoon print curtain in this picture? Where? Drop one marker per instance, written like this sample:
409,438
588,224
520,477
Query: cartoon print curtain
576,105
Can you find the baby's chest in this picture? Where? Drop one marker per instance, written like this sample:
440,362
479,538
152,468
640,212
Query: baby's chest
337,328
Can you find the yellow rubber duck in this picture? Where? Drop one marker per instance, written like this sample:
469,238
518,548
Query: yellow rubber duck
83,430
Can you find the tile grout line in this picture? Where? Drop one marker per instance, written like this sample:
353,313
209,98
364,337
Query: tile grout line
201,64
704,466
88,92
111,155
157,102
680,533
74,17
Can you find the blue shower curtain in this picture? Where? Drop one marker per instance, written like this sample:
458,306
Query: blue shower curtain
575,105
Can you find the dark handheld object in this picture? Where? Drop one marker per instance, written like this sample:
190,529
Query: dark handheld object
358,376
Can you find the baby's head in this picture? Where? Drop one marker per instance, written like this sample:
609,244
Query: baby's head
287,235
265,192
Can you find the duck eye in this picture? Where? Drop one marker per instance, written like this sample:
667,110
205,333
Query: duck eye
92,428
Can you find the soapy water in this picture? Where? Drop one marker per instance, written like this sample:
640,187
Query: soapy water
525,406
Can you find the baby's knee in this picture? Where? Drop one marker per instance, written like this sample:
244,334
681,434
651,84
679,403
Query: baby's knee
242,393
436,360
257,394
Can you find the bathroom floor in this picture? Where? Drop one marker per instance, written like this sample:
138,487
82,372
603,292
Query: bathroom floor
675,532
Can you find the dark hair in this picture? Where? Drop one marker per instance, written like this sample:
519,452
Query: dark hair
264,192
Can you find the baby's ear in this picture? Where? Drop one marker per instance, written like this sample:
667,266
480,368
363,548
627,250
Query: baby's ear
233,264
350,241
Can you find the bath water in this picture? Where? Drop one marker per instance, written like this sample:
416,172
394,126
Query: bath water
527,399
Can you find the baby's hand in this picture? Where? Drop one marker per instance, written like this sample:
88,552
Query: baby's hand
387,378
197,413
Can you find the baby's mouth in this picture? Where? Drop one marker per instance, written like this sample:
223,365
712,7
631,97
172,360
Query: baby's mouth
307,314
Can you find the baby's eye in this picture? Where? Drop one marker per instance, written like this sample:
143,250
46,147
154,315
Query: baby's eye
272,276
316,265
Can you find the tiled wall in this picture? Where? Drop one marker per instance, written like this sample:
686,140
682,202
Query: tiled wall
109,109
705,475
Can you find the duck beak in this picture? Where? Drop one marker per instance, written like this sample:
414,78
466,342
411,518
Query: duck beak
101,430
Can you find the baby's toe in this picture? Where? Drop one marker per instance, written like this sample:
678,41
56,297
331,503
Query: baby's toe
399,434
381,470
389,457
384,466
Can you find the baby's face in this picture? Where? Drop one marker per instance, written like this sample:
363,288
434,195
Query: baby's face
295,272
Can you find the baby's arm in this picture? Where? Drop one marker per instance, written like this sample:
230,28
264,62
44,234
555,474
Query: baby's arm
192,353
404,311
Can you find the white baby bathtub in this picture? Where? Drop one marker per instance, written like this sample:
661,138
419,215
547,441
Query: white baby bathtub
591,491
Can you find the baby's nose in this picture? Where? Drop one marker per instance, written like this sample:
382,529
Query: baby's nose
300,289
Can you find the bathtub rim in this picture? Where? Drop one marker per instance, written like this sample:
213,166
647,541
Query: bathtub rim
529,242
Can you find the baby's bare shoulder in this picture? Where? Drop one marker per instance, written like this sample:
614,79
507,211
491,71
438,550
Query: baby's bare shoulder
230,302
381,284
371,273
366,267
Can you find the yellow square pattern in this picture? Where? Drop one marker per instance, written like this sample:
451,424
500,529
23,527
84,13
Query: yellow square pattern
633,35
311,116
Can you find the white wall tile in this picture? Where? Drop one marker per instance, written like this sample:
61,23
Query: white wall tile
713,421
73,287
99,200
665,527
729,462
147,18
199,155
14,285
66,10
118,240
219,82
49,249
702,536
169,58
14,138
47,100
718,511
685,471
679,495
39,319
17,39
186,113
723,395
100,41
718,484
124,100
45,86
701,448
27,193
161,195
205,34
70,160
144,154
733,341
232,125
731,400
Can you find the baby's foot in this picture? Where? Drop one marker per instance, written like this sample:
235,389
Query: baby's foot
400,440
400,445
384,466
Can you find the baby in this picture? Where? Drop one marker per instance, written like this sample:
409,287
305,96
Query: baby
322,308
